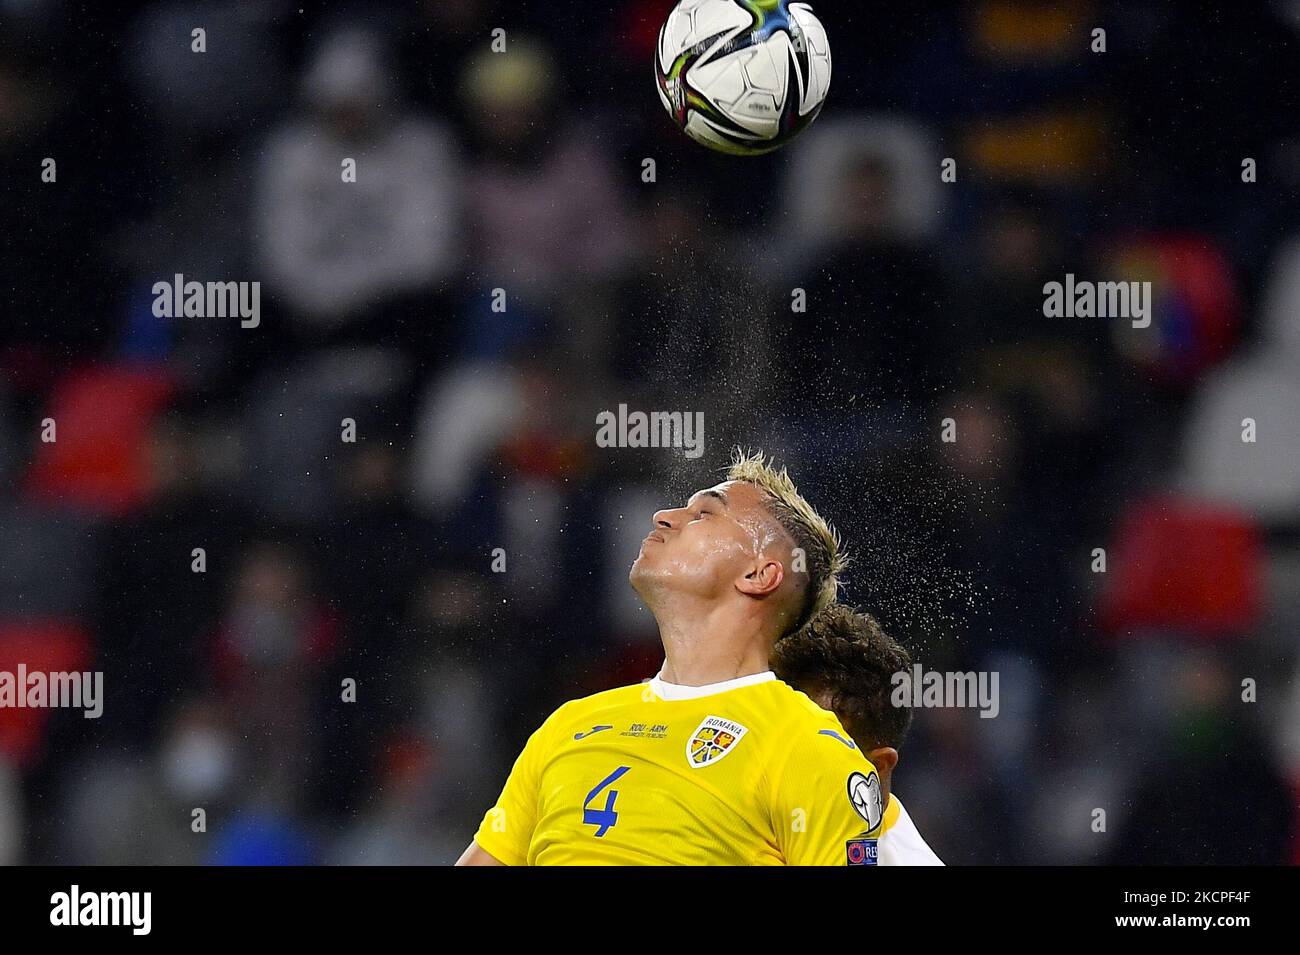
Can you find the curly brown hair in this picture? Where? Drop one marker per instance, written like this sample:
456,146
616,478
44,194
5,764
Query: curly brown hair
843,653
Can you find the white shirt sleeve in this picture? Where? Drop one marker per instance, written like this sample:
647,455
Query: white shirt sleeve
902,844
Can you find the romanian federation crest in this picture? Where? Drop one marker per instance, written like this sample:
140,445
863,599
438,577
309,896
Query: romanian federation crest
713,739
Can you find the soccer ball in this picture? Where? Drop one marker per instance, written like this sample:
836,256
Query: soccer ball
743,76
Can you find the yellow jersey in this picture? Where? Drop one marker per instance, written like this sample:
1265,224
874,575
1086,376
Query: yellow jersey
745,772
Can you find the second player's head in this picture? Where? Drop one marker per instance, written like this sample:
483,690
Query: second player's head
751,543
846,663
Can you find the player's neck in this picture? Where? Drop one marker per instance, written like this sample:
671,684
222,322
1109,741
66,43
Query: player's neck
705,673
701,649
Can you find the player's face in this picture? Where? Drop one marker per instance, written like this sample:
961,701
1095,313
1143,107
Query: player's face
704,547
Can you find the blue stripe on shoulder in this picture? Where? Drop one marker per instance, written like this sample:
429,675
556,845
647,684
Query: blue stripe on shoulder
847,742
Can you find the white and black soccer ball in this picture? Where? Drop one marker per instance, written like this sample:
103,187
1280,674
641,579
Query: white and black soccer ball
743,76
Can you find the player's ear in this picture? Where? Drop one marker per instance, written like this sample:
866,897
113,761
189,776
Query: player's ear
884,758
762,578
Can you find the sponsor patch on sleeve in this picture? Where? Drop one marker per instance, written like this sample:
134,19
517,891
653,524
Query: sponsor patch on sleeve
861,851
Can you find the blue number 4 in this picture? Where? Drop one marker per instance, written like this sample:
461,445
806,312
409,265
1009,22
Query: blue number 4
602,819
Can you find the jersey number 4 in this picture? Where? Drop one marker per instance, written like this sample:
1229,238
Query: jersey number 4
603,819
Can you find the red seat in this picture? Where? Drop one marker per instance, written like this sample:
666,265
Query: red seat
1184,566
99,458
45,646
1295,831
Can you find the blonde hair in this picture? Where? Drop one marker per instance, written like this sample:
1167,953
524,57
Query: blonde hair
823,552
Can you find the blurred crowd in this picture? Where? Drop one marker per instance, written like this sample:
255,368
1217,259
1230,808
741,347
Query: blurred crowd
204,531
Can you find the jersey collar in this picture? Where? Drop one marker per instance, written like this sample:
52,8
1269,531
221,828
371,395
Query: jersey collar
677,691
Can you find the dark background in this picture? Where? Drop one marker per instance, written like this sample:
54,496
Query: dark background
371,560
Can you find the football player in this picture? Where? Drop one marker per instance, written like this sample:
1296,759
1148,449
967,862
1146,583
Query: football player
846,663
714,761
